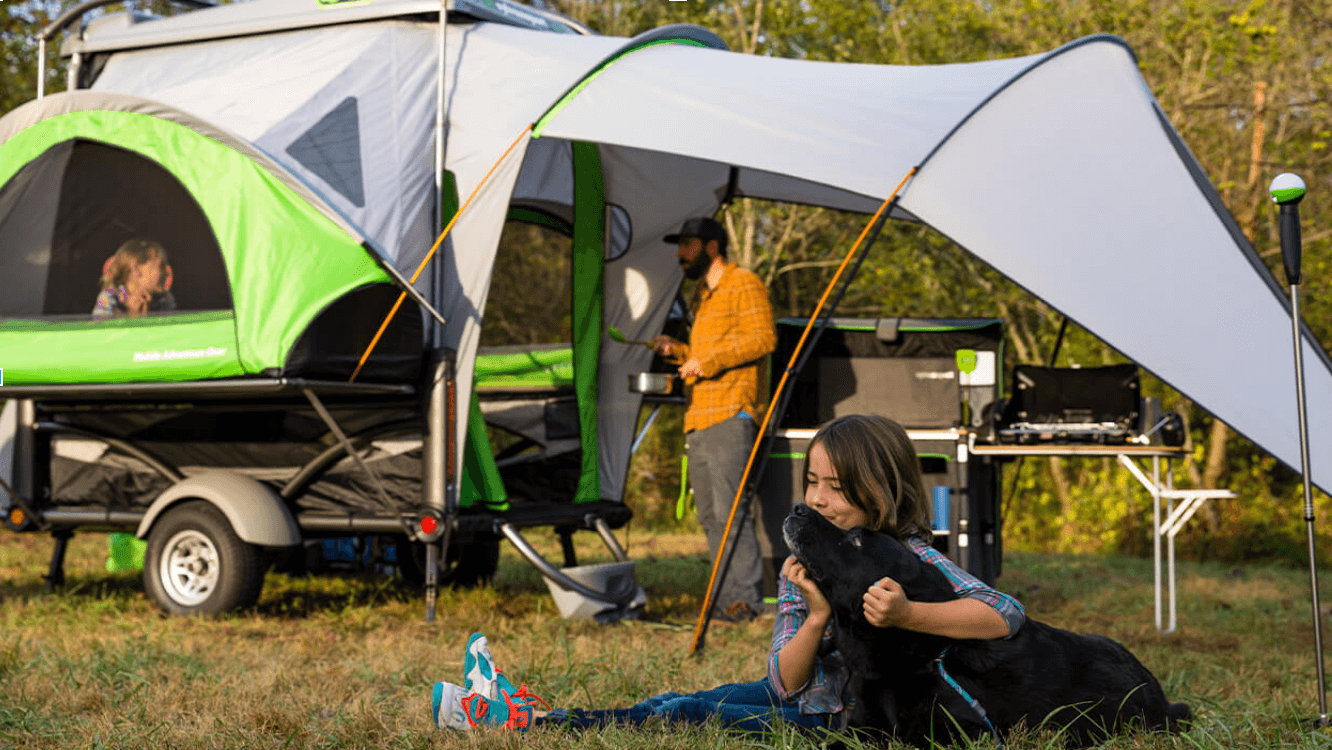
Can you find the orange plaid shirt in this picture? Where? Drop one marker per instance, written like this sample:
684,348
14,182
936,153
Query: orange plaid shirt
733,330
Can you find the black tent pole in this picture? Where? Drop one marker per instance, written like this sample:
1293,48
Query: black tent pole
1287,191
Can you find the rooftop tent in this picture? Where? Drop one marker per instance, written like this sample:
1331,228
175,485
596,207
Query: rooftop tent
81,173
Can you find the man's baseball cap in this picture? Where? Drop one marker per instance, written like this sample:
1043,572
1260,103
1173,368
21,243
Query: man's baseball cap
701,227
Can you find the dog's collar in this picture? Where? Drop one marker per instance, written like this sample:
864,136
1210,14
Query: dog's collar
961,691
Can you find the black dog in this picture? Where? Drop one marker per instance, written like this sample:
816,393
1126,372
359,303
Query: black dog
927,689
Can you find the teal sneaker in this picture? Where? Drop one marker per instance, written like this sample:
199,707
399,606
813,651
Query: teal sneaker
479,674
454,707
447,708
482,677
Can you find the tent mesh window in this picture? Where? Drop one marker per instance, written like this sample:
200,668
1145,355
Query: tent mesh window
64,215
331,148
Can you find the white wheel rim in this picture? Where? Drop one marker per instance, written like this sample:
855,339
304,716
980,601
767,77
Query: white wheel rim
189,569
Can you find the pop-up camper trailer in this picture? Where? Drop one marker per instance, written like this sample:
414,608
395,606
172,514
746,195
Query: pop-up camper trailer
319,143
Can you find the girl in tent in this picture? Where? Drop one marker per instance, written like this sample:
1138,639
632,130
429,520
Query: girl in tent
135,281
860,470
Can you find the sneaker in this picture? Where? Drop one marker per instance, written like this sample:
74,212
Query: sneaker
446,706
456,708
481,676
479,668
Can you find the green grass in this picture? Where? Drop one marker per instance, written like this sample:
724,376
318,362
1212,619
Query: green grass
347,662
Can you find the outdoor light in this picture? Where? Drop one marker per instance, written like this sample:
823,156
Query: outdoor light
1287,192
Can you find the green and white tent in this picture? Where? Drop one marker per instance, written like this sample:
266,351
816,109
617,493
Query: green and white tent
1060,170
266,277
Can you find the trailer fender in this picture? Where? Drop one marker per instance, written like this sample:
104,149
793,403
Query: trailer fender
252,508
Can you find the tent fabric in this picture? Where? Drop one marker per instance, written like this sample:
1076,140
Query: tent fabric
258,221
244,19
1057,169
1104,198
293,92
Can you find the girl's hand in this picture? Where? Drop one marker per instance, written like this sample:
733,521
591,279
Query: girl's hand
886,604
795,573
136,301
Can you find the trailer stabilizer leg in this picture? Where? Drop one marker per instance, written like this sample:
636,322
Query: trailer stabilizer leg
55,578
431,580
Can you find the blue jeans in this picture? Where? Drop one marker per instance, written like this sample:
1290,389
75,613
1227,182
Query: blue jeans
747,706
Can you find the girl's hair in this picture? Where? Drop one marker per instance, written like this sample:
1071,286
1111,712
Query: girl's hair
879,473
117,269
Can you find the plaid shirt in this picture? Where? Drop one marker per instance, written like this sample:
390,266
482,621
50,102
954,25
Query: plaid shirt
823,693
732,331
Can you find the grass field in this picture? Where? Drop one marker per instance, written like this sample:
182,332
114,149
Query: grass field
347,662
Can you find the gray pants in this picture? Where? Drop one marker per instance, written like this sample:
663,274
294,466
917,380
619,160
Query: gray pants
717,458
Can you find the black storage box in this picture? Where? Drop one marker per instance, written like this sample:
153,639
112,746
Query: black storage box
921,372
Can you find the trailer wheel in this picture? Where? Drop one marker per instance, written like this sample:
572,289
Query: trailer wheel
468,564
196,565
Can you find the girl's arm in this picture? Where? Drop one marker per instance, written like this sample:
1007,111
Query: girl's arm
886,605
981,612
795,660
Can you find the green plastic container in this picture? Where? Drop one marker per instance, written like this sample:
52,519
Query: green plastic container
126,552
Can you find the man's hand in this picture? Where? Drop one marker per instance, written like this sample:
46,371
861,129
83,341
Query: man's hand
886,605
692,367
665,345
796,574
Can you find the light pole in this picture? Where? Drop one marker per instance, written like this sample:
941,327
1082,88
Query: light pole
1287,191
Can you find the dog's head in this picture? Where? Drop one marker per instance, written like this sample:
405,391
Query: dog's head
844,564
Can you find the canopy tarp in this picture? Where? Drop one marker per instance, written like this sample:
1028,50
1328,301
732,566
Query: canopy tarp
1059,170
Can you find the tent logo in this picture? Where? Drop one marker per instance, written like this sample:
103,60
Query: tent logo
332,3
211,351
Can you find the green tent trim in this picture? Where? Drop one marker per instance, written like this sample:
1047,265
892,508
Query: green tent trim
589,266
481,481
537,369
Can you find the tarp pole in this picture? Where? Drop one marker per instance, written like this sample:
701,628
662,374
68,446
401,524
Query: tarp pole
704,615
437,337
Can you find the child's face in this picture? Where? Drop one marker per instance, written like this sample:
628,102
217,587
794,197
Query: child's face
145,277
823,492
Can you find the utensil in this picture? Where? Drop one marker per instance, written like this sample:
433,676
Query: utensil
615,335
656,383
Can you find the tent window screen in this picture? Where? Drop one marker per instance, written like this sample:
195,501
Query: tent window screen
64,218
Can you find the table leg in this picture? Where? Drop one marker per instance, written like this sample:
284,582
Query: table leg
1170,544
1156,535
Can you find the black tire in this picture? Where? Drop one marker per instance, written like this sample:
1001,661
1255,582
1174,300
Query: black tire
468,565
196,565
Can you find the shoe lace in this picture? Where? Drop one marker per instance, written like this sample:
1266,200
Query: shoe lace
522,696
475,715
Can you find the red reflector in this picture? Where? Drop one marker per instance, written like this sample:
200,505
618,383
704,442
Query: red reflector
429,525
